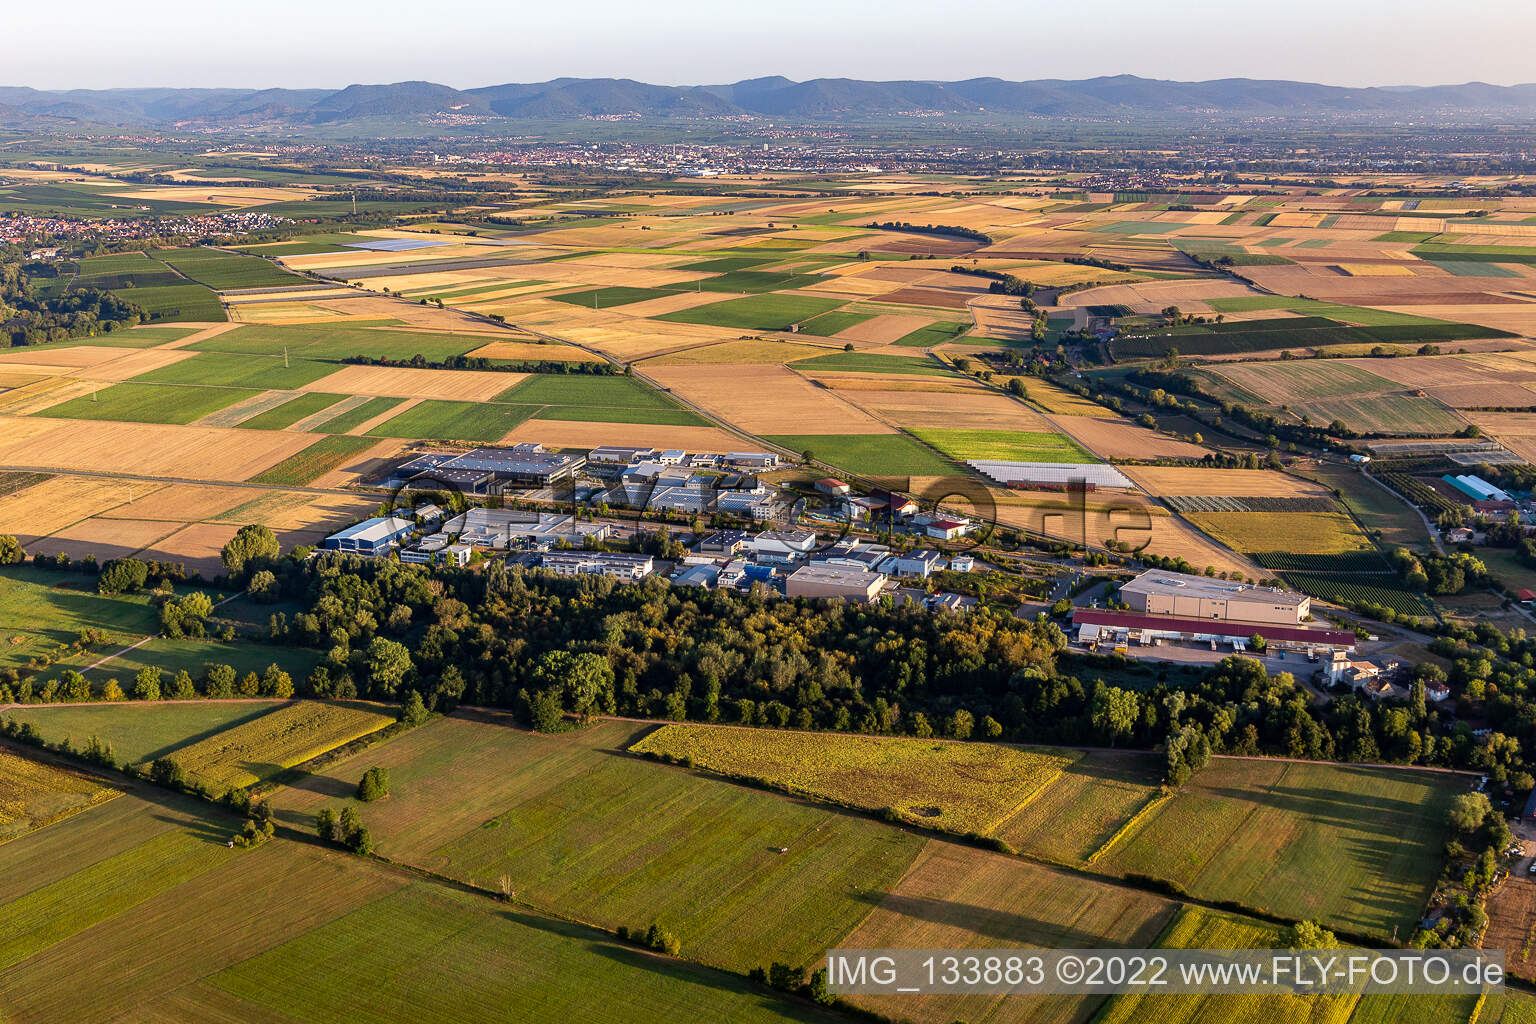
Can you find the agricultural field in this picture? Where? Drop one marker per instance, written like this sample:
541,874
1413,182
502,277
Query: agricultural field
34,794
133,402
315,461
768,312
159,291
870,454
142,732
41,611
226,271
257,749
1008,446
958,787
1260,833
579,828
1320,533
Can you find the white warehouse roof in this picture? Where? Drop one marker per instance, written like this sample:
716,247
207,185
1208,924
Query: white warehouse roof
1096,473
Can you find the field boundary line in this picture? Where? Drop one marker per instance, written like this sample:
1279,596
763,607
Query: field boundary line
1143,814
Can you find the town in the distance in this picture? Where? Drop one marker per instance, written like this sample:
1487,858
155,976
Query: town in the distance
588,550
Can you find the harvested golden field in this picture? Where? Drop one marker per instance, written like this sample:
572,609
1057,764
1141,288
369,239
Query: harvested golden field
1305,533
517,350
883,329
104,538
959,410
1121,439
198,546
575,434
134,362
767,399
405,382
199,453
957,897
1132,519
665,304
1486,395
58,360
1377,269
737,352
286,510
1192,480
218,195
957,786
54,504
44,393
294,733
1515,317
176,503
1055,400
34,794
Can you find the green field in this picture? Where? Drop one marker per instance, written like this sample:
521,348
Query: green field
828,324
50,608
579,827
451,958
350,420
618,295
614,399
454,421
141,732
861,362
315,461
1198,928
152,286
756,312
290,412
870,454
933,334
228,271
172,654
1476,253
1290,839
335,342
226,369
959,787
132,402
1005,445
757,281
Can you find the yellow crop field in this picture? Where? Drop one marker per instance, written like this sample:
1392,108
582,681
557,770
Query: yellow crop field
960,787
34,794
292,734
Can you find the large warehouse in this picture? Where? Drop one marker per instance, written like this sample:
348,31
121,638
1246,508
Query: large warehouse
491,470
1156,592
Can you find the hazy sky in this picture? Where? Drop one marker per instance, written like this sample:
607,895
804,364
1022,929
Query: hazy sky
332,43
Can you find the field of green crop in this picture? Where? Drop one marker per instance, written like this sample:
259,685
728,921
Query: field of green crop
599,399
1289,839
861,362
134,402
335,341
870,454
617,295
172,654
315,461
290,412
1084,806
960,787
152,286
454,421
828,324
579,827
1197,928
452,958
140,732
355,417
933,334
227,271
259,748
1006,445
756,312
224,369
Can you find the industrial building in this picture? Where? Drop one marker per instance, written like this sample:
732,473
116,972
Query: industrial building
502,528
617,565
1156,592
834,581
372,537
782,545
1476,488
491,470
1128,628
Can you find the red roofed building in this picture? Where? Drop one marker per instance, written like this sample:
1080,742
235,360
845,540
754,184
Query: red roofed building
834,487
1094,624
1525,596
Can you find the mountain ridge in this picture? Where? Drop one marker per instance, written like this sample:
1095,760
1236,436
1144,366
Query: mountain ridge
820,99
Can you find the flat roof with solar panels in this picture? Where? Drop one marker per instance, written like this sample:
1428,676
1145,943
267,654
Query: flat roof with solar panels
1056,473
493,468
